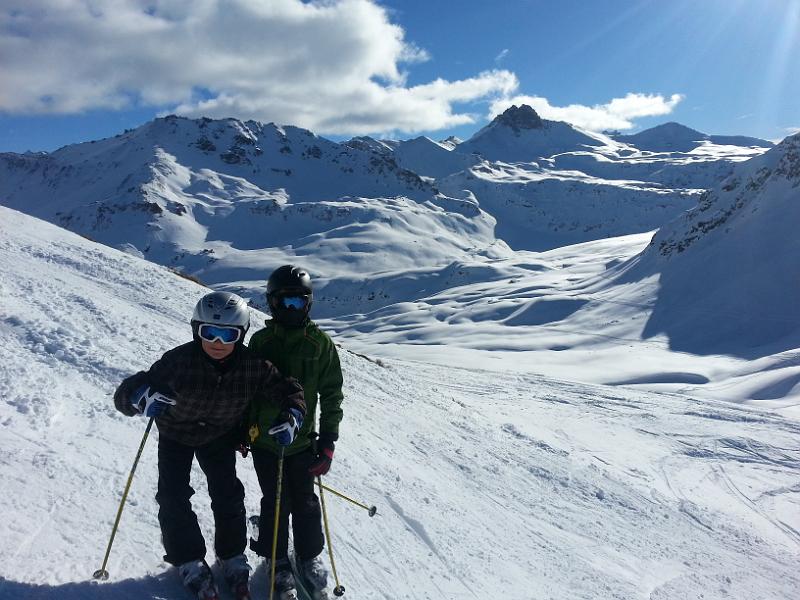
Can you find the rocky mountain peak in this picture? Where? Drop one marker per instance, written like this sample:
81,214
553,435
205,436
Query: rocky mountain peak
519,118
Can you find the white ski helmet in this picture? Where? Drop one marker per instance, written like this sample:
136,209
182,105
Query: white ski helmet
222,308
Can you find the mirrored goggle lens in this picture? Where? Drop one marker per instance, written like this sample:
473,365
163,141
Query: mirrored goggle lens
212,333
296,302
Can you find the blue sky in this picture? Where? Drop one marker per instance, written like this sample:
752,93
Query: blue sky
73,70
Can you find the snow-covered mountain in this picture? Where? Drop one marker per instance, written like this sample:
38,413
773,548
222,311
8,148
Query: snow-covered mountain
733,263
672,156
484,480
184,166
708,308
543,208
432,159
520,135
674,137
228,200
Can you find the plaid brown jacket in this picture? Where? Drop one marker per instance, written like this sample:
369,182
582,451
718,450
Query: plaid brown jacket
210,401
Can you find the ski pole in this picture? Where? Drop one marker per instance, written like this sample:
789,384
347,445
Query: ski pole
275,524
339,589
101,573
372,510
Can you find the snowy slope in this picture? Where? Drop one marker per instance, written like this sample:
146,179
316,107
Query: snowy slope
541,209
432,159
484,480
708,309
736,256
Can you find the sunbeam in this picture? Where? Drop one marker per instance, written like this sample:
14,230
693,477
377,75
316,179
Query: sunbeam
786,49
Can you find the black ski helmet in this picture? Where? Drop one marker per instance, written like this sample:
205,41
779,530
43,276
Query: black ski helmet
287,281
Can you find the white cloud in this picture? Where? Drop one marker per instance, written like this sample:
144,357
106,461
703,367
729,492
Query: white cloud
503,53
334,66
619,113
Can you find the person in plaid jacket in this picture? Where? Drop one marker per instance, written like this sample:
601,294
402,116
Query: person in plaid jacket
198,394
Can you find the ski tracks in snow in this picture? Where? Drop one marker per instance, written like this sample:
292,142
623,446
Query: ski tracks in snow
791,532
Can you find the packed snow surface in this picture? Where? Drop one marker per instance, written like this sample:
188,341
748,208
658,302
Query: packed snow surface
487,479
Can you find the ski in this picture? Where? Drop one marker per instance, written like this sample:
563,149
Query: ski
303,588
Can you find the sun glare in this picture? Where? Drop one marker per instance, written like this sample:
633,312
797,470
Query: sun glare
784,51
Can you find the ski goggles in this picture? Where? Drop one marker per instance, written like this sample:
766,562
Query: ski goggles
224,333
296,302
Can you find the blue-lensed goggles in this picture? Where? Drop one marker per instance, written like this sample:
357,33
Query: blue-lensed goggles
296,302
223,333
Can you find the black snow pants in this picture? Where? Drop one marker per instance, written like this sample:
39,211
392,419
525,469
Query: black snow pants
297,498
180,531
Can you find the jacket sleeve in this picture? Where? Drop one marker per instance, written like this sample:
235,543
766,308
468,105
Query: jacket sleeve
158,375
122,397
330,392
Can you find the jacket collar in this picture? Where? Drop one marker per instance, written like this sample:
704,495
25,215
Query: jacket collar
287,333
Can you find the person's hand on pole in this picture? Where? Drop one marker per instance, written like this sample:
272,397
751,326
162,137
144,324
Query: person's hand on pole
149,402
286,426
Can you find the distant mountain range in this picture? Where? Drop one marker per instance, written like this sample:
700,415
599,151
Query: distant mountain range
674,137
225,199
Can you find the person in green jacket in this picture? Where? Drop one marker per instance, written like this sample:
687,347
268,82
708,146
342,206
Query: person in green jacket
299,349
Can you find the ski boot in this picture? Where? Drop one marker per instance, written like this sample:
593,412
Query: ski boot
198,579
237,576
285,586
315,577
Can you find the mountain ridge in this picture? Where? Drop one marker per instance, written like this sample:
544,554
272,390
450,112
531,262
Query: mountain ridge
218,199
672,137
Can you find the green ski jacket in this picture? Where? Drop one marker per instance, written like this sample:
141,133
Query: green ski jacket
309,355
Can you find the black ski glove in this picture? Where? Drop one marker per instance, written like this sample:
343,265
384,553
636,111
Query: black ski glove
122,396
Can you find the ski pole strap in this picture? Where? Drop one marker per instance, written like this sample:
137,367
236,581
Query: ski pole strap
101,573
339,589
